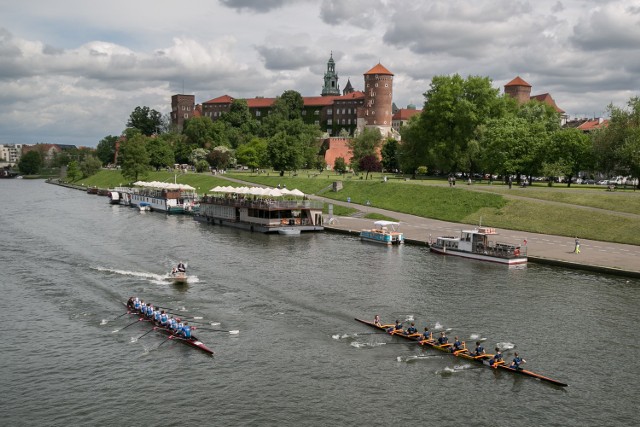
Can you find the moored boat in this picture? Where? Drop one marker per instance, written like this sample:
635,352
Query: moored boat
289,231
192,342
165,197
384,232
114,197
484,360
476,244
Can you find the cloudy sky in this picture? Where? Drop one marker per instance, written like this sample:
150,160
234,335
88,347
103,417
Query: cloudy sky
71,71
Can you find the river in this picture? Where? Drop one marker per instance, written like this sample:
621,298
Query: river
70,260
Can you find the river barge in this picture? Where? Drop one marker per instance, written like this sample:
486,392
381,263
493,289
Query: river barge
165,197
476,244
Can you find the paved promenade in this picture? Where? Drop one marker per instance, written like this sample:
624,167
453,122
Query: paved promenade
612,258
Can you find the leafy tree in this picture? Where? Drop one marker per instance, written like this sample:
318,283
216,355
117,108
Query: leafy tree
321,164
30,163
135,159
220,157
289,105
73,171
146,120
285,152
505,142
370,163
106,149
340,165
570,149
364,145
160,153
390,155
454,108
90,166
253,154
202,132
202,166
414,150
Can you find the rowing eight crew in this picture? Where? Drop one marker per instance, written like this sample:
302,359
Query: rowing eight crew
457,347
160,318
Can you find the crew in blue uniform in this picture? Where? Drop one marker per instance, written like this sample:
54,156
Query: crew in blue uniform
479,351
411,329
517,361
457,345
442,339
164,319
397,327
186,330
496,359
157,315
426,335
136,303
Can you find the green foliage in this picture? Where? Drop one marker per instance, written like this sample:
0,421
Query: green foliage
340,165
390,155
570,148
135,159
285,152
160,153
253,154
221,157
90,165
370,163
73,171
30,163
364,145
422,170
146,120
205,133
202,166
106,149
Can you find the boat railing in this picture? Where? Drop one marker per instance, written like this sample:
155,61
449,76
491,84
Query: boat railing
502,250
263,203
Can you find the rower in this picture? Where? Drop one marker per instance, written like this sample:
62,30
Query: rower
157,315
479,351
149,310
376,320
179,326
496,359
138,305
173,323
443,340
130,302
458,346
186,330
426,335
396,328
517,361
164,319
411,329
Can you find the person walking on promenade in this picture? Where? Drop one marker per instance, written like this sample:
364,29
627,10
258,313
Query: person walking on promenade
577,248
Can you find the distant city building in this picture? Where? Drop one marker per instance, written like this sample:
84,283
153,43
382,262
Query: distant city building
378,103
520,90
402,115
182,108
10,154
331,86
587,125
46,150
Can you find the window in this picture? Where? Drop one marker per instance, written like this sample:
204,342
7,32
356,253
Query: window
304,112
329,111
376,84
329,122
317,112
317,122
258,113
386,85
348,121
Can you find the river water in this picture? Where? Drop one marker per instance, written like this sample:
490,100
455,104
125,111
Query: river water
70,260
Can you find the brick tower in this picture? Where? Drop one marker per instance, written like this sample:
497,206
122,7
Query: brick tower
519,90
378,92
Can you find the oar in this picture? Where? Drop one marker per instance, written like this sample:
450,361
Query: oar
232,332
131,324
179,313
148,332
124,314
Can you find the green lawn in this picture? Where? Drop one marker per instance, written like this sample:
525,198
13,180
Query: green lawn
435,199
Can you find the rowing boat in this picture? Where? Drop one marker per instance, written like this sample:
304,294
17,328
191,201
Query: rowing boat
481,359
193,341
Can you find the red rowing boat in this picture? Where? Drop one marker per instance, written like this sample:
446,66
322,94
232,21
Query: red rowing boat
193,341
483,360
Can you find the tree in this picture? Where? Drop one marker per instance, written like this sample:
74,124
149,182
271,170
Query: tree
30,163
135,159
73,171
454,108
285,152
106,149
365,145
147,121
340,165
571,149
414,150
369,163
390,155
220,157
90,166
160,153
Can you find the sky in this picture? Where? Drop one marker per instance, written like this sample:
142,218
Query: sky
72,71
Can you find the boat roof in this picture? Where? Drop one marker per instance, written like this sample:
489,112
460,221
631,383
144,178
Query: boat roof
382,223
481,230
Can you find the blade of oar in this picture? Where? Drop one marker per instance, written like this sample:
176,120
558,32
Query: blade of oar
130,324
167,339
123,314
232,332
146,333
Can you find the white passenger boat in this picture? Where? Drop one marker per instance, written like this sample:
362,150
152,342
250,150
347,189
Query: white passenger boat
476,244
165,197
384,232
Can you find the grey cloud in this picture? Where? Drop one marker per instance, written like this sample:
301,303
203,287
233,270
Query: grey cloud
289,58
258,6
608,28
360,13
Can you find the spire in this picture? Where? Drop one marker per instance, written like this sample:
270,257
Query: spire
348,88
331,86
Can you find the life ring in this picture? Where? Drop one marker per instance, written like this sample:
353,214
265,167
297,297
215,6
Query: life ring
516,252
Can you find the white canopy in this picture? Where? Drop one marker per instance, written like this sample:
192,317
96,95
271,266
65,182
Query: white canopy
257,191
383,223
163,185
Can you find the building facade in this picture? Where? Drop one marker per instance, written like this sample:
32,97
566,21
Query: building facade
520,90
378,102
183,108
10,154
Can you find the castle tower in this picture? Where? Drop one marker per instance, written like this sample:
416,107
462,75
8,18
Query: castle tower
519,90
182,108
331,87
378,92
348,88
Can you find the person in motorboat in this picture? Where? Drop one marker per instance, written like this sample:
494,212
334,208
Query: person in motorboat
174,270
458,346
496,359
411,329
517,361
443,340
181,267
426,335
479,351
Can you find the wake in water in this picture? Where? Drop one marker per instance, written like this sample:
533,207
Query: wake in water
417,358
358,344
450,371
503,346
158,279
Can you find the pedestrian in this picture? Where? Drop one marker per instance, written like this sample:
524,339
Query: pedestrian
348,199
510,182
577,248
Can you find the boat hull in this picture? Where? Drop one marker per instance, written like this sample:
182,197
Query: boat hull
381,238
484,361
179,278
479,257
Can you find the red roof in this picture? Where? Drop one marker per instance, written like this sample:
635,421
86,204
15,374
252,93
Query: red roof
405,114
224,99
260,102
547,99
318,101
353,95
593,124
379,69
517,82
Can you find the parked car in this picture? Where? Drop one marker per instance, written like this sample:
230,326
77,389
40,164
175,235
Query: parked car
603,182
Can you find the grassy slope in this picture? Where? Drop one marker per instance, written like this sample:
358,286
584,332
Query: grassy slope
449,204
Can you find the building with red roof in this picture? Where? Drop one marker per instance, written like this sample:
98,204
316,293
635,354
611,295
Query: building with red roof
520,90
